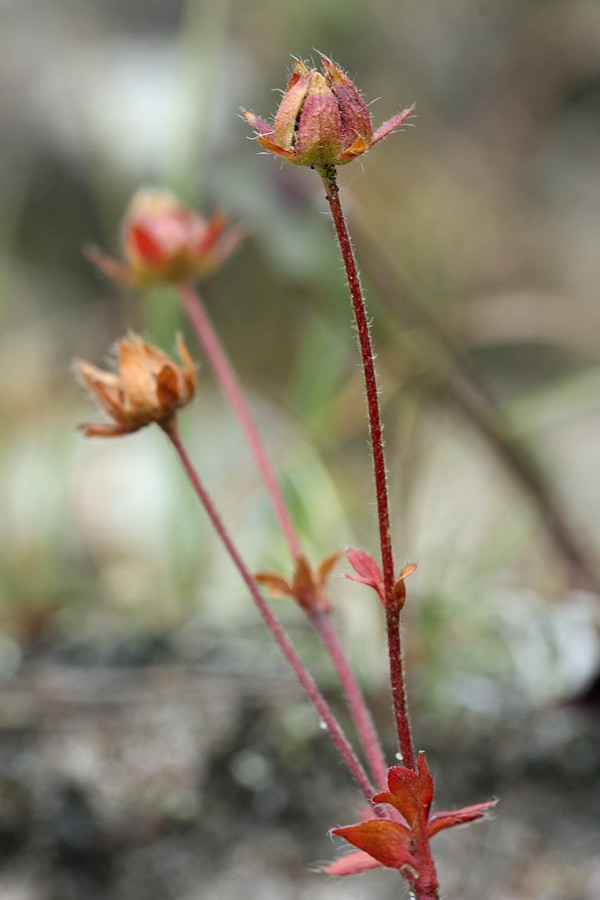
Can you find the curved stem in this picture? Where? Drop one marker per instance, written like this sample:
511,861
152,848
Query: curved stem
225,374
317,699
379,469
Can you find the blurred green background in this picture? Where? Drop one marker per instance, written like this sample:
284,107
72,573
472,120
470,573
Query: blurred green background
477,236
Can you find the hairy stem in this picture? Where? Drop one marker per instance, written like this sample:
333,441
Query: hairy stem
425,886
379,470
316,697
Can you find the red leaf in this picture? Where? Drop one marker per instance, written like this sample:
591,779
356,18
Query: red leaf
387,842
403,793
353,864
449,819
367,571
409,792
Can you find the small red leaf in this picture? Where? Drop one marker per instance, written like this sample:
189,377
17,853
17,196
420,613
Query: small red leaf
408,791
387,842
367,571
353,864
449,819
403,793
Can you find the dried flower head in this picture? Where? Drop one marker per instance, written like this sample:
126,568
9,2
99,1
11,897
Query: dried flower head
147,387
322,120
163,240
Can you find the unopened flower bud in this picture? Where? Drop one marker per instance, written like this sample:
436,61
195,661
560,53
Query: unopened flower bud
322,120
163,240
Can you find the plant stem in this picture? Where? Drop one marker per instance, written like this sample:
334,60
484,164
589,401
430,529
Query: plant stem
223,369
316,697
363,720
425,886
379,469
323,622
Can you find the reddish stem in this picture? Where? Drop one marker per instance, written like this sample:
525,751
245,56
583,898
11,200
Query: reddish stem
425,886
379,470
363,720
323,622
226,377
317,699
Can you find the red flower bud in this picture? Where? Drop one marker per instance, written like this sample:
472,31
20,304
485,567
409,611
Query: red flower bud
322,120
163,240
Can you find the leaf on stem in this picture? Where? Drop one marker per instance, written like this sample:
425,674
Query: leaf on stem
397,844
366,571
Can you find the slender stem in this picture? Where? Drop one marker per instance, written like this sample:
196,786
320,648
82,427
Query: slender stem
379,469
392,621
363,720
425,886
316,697
323,622
223,369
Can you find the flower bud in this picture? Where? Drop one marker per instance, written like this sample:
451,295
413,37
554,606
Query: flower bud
322,120
147,387
163,240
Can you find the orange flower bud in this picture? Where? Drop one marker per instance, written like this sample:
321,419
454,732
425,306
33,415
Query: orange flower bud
322,120
147,387
163,240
